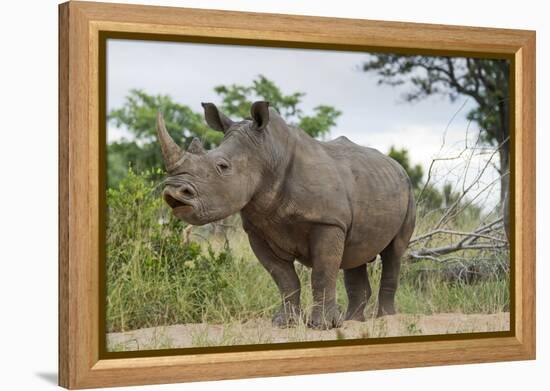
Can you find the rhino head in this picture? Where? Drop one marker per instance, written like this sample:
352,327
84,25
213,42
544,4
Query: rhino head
205,186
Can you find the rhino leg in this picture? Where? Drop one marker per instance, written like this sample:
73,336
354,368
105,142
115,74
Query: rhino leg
284,274
391,262
359,291
327,247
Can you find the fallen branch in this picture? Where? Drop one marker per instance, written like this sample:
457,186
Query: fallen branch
438,251
458,233
481,231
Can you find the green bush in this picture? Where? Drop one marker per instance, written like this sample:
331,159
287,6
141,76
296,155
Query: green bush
155,277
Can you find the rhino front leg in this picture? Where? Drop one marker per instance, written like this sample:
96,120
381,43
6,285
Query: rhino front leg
284,274
327,247
359,291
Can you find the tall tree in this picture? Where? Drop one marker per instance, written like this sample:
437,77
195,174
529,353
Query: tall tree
486,81
138,116
237,99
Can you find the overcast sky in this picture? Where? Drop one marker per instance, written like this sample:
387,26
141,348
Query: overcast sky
373,115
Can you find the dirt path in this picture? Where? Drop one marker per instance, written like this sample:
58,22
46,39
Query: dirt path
260,331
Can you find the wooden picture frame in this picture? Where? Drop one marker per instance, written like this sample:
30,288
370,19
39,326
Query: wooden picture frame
82,29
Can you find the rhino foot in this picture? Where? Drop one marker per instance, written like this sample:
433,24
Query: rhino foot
326,318
287,316
355,315
383,310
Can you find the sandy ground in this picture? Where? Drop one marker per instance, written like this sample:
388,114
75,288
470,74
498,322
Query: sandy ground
260,331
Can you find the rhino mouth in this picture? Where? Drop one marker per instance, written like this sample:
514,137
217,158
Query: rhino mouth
177,204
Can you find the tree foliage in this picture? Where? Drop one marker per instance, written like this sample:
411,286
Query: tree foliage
486,81
138,116
237,99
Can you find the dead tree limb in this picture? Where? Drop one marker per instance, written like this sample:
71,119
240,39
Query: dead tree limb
452,248
467,235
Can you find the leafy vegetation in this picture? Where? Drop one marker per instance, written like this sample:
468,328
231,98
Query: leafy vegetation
138,116
159,274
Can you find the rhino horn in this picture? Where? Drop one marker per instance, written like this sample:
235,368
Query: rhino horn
196,147
170,150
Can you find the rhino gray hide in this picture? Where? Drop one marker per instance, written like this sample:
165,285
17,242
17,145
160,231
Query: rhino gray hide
329,205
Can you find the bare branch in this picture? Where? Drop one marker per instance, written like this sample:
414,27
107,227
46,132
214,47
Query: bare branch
452,208
431,252
467,235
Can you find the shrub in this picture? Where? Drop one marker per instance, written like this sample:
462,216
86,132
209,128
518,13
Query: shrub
154,276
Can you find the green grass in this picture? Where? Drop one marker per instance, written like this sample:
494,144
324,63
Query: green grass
158,274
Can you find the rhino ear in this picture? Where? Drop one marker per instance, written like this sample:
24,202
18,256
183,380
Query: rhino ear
215,118
260,114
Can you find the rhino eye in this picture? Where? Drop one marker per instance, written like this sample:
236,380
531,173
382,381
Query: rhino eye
222,167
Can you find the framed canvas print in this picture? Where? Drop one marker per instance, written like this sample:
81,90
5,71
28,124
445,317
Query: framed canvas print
247,195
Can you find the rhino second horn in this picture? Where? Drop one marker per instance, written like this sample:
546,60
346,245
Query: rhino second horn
170,150
196,147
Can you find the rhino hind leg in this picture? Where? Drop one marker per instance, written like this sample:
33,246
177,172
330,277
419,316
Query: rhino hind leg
358,290
391,262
